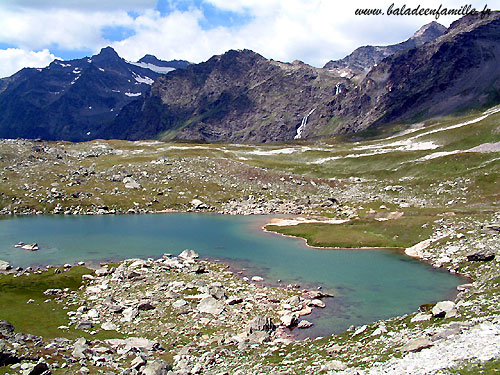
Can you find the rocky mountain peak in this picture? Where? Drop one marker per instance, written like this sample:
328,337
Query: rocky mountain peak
107,55
430,31
364,58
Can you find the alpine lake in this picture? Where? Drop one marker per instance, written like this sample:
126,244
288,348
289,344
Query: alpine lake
368,285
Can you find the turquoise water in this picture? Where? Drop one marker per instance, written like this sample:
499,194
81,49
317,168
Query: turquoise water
368,285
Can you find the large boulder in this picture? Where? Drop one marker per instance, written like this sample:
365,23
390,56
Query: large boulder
188,255
210,305
4,266
444,309
157,368
289,320
417,345
260,323
130,183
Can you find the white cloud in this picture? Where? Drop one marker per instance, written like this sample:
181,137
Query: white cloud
69,29
82,4
14,59
314,31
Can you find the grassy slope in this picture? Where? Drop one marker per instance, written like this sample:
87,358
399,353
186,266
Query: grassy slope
40,318
366,232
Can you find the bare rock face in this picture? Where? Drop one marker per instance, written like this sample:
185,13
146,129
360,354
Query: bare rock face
452,73
364,58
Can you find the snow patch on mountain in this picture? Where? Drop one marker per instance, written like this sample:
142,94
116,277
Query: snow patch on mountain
154,68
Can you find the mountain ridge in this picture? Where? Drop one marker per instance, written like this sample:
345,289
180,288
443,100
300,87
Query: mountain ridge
72,99
362,59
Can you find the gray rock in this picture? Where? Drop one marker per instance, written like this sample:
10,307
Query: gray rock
145,306
40,368
6,328
217,291
493,228
81,349
334,365
5,266
130,314
417,345
137,362
234,300
289,320
85,324
198,268
188,254
303,324
53,292
444,309
210,305
259,337
261,323
157,368
130,183
30,247
198,204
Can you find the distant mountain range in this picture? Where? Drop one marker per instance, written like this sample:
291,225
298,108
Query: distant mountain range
241,96
73,100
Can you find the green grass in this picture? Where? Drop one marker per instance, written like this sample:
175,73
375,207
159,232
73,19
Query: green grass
403,232
41,318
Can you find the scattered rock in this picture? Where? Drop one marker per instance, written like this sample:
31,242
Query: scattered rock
334,365
421,317
109,326
257,278
198,204
145,306
137,362
130,183
234,300
129,314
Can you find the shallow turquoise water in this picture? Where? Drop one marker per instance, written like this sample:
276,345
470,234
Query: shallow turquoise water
368,284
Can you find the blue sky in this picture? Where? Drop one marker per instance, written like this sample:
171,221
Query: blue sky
34,32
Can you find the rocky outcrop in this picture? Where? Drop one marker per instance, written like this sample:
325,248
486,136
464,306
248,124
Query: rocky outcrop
364,58
454,73
239,96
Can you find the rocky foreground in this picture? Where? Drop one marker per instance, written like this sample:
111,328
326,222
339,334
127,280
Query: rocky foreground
181,315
